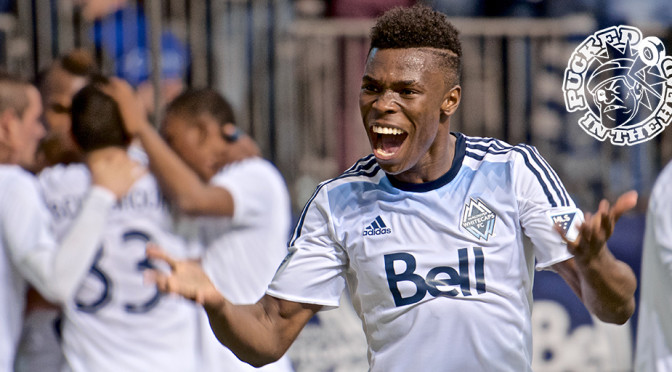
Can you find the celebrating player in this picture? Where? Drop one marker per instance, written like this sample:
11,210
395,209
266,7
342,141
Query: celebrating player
30,252
216,171
654,328
40,348
115,322
427,232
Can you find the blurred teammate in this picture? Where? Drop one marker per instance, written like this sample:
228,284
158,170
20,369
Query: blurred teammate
654,329
116,322
427,232
30,254
211,172
58,84
40,349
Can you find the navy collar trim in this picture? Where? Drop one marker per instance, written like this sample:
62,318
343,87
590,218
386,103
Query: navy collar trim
460,151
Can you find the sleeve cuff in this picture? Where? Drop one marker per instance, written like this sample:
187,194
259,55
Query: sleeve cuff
102,196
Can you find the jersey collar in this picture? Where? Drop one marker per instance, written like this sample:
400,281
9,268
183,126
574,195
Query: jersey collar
460,149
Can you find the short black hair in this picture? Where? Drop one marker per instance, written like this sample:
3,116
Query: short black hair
419,26
96,120
194,103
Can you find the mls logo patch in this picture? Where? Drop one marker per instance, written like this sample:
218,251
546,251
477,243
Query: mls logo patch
478,219
564,221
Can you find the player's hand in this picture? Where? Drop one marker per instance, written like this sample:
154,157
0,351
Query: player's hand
598,227
112,169
240,145
186,278
132,110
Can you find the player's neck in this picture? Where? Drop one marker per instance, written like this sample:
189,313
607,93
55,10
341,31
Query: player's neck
434,164
106,153
6,154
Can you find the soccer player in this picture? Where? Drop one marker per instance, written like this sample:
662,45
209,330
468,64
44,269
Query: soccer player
58,84
30,254
39,348
427,232
653,352
207,167
116,322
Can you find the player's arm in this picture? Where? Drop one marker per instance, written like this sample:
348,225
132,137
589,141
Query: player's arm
56,271
605,284
258,334
180,183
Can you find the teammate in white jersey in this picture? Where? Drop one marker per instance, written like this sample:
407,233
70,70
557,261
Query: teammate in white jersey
116,322
654,328
40,347
30,254
216,172
426,232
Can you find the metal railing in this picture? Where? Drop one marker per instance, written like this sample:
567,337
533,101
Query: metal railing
294,82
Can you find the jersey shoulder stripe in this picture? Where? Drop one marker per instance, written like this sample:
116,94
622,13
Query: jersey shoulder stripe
365,169
479,148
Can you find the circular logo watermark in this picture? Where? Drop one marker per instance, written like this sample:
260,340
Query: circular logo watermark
622,83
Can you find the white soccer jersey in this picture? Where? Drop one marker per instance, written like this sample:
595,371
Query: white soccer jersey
437,271
654,329
30,253
116,321
16,186
243,252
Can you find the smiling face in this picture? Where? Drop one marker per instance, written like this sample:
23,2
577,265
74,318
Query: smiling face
406,103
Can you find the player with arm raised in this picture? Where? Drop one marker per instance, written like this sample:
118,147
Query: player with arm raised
40,347
31,254
207,167
427,232
115,322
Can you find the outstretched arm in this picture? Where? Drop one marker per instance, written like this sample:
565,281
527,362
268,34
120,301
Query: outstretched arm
258,334
57,271
605,284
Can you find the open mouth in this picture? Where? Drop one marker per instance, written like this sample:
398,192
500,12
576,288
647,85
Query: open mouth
387,141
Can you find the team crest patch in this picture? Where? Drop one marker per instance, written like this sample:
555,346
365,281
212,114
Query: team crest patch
622,83
478,219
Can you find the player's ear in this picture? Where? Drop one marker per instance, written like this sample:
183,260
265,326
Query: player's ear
451,100
202,126
7,120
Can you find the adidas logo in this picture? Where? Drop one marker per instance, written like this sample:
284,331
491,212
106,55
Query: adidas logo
377,227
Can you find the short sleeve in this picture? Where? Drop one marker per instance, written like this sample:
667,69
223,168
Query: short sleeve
255,186
543,203
314,270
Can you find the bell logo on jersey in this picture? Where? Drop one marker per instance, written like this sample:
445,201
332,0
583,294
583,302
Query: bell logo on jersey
377,227
440,281
478,219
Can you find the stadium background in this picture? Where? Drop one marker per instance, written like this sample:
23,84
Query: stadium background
292,71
